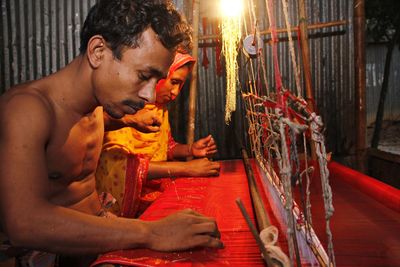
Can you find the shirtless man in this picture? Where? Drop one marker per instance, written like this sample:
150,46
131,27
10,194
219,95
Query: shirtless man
52,130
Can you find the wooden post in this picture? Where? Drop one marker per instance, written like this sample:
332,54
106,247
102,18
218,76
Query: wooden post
193,82
305,56
360,82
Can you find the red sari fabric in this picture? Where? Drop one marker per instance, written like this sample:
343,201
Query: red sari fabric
210,197
136,172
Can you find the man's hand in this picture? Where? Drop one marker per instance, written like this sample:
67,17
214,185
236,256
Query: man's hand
183,230
144,120
204,147
202,167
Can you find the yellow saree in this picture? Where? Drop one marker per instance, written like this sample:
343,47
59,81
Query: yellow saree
124,162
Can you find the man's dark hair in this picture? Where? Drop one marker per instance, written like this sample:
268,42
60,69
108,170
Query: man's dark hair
121,23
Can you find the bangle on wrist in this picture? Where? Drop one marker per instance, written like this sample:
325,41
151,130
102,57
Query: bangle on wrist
169,174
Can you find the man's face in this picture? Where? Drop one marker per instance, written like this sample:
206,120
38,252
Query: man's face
125,86
169,88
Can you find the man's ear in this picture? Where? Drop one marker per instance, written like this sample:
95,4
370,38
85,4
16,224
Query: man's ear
95,50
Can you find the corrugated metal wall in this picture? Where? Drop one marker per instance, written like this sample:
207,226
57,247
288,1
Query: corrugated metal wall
375,58
39,37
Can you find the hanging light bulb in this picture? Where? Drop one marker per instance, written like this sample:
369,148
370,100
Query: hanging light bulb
231,8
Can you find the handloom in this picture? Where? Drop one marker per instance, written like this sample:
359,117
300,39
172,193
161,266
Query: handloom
364,225
278,122
283,130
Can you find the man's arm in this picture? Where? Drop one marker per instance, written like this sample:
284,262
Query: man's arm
197,167
144,120
30,220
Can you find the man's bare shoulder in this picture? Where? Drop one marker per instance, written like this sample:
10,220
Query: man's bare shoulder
25,107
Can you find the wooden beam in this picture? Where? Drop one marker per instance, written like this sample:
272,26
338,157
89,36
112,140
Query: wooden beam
268,40
309,27
284,30
193,82
373,152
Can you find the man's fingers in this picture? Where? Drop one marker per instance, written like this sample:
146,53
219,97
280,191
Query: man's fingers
200,218
156,121
214,173
207,241
153,129
203,225
209,228
148,129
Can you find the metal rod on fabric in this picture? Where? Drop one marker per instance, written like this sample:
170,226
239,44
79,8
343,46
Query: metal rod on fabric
193,82
259,208
254,232
292,29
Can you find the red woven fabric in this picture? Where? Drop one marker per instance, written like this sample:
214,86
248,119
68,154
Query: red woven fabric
213,197
366,232
383,193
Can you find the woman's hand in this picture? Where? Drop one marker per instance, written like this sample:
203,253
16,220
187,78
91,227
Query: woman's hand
204,147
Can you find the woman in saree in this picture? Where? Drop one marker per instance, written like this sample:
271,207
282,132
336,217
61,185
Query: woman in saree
132,163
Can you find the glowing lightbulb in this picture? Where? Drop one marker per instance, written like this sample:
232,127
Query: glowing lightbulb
231,8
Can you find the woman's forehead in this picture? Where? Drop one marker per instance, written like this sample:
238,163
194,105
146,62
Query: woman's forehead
181,72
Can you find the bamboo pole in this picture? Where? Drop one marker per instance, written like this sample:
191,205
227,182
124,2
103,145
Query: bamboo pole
193,82
262,218
360,82
284,30
259,208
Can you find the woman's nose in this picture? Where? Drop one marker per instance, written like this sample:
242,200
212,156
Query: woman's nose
175,91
